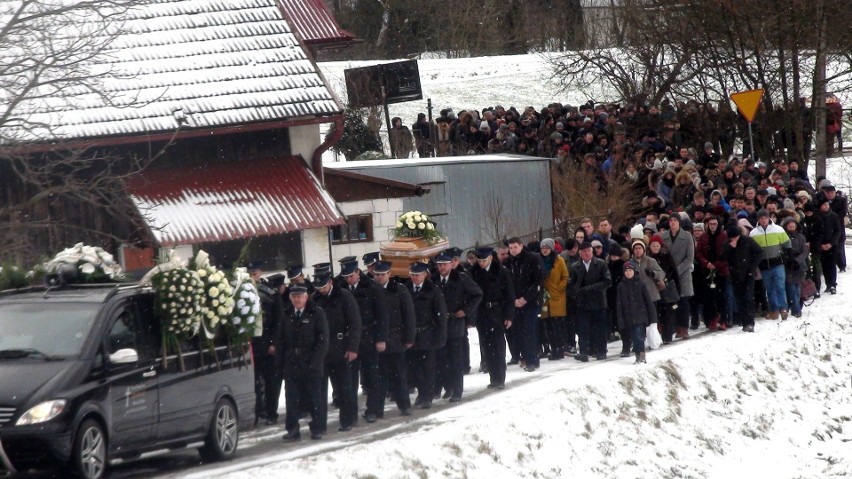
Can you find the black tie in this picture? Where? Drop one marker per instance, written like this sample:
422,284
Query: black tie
298,315
444,281
416,289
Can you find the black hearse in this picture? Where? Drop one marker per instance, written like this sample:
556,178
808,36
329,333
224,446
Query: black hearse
83,381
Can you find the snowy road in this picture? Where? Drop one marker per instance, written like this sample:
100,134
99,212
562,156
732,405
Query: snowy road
775,403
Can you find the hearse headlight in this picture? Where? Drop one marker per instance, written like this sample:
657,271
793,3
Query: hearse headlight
42,412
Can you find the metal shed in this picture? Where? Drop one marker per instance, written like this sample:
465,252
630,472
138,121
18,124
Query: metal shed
473,199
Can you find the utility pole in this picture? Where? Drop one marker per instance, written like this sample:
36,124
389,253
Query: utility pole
818,97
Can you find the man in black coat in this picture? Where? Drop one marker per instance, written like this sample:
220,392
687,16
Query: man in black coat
396,301
527,276
344,328
303,339
430,313
828,243
267,377
840,207
495,312
374,336
588,281
462,296
743,255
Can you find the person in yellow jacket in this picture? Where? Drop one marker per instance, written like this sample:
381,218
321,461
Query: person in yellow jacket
554,307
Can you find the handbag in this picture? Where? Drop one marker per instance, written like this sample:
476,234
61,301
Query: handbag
807,291
652,337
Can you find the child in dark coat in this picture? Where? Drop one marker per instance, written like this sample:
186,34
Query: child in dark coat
635,308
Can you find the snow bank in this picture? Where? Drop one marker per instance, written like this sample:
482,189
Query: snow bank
775,403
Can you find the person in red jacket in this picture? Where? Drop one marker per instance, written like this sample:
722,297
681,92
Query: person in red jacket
708,253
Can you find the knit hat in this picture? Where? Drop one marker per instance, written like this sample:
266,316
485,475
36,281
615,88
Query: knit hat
548,243
762,213
733,231
556,135
788,204
826,185
630,265
708,145
656,239
637,242
745,224
484,125
637,232
652,227
597,244
698,226
658,165
615,250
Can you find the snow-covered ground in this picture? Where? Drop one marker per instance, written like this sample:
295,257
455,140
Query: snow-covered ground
775,403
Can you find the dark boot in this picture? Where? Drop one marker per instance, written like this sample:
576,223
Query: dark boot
625,353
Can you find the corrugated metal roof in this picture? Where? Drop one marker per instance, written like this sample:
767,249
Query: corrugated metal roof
214,63
188,205
314,23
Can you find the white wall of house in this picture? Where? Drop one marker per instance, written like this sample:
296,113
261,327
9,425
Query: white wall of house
384,212
304,140
314,247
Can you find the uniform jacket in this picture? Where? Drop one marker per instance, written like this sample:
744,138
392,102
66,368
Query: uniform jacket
743,259
430,313
272,306
634,304
396,300
588,288
461,293
498,294
304,342
555,285
374,318
344,322
525,269
682,249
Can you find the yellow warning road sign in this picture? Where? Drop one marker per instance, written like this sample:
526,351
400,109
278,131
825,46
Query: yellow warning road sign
748,102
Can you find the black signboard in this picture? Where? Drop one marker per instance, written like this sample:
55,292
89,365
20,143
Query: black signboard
400,79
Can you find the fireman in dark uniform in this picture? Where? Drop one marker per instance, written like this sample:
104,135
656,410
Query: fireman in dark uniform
344,327
303,340
374,336
430,312
495,312
462,296
396,300
267,380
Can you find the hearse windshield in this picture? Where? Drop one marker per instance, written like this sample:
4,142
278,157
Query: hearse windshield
49,331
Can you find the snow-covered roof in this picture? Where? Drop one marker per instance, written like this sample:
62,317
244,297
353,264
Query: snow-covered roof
203,63
405,162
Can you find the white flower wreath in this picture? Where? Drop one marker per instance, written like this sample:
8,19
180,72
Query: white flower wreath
92,263
246,307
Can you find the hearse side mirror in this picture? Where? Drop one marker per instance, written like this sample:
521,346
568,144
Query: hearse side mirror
124,356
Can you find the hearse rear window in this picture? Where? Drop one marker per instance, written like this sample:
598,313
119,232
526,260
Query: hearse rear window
49,330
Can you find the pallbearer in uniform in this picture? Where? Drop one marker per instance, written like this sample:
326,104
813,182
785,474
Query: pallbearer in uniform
495,312
344,328
267,378
396,300
303,339
462,297
430,312
374,336
369,261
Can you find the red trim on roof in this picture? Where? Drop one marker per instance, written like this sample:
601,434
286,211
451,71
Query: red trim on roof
314,23
188,205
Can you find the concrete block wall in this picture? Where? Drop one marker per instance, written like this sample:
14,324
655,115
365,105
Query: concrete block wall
384,212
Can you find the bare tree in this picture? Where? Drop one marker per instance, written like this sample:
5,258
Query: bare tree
56,59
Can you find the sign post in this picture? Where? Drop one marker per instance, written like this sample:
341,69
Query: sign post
748,102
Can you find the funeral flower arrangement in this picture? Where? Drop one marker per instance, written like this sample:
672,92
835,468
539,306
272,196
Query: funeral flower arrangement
246,312
415,224
92,264
217,301
180,301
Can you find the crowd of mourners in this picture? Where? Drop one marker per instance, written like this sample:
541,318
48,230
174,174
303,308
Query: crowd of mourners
717,241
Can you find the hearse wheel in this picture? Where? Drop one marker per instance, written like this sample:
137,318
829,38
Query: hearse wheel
223,436
89,458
